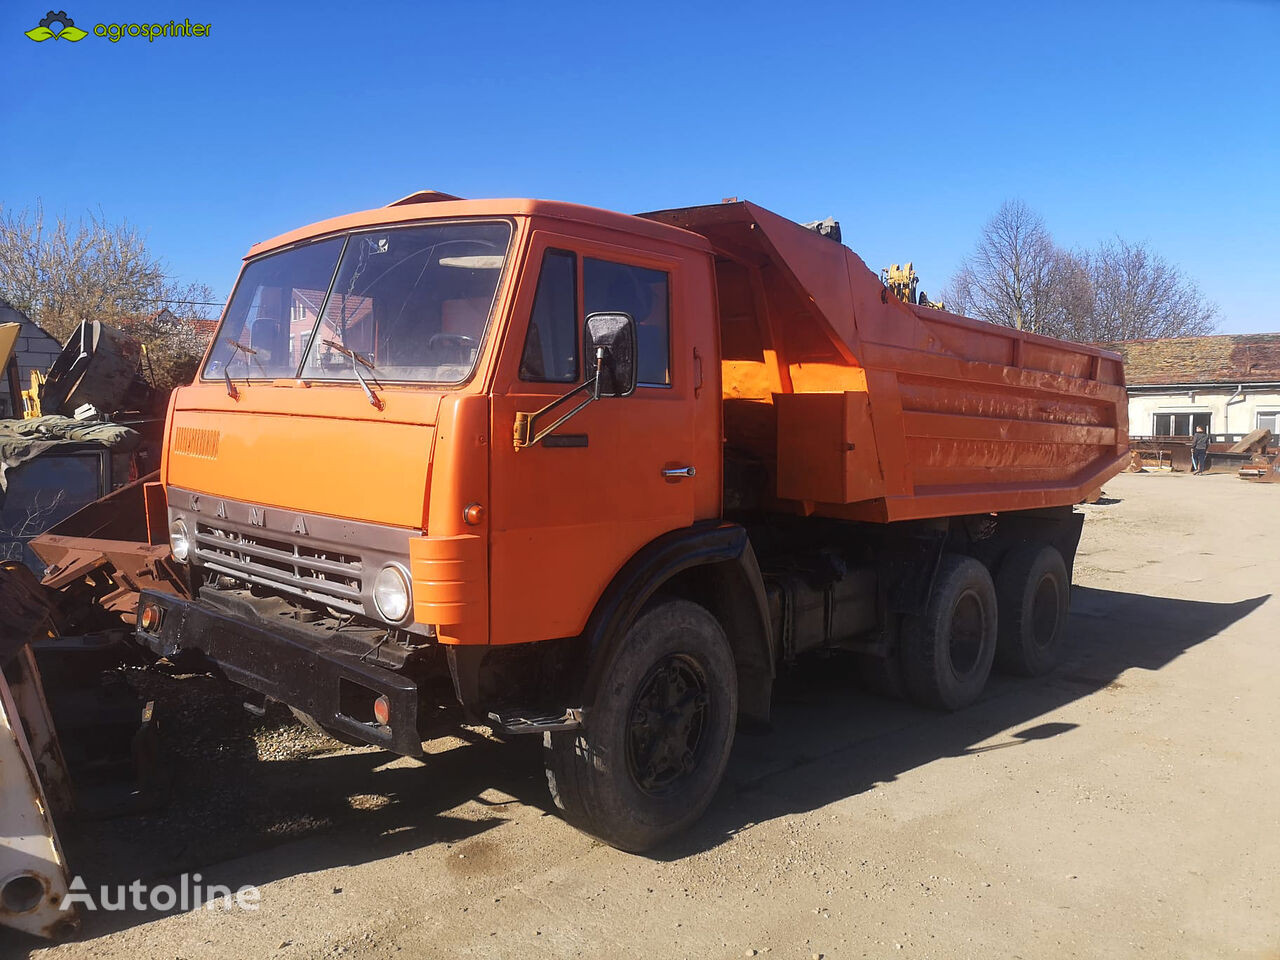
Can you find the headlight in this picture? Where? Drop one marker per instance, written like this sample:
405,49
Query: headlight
178,542
391,593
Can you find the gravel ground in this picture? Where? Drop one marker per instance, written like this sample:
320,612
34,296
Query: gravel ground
1127,805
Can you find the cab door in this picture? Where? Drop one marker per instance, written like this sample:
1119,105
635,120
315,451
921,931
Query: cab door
568,512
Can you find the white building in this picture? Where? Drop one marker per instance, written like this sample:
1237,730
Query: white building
1228,384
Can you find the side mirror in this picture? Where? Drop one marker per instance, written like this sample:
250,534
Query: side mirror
610,338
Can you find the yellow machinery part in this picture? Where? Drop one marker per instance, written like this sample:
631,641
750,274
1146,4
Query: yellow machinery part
31,398
902,280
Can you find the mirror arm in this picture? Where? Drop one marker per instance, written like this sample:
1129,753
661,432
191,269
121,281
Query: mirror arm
600,355
523,433
526,423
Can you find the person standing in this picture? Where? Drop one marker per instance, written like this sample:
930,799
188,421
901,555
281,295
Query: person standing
1199,451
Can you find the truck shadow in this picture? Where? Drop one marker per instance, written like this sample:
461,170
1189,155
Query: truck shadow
239,817
827,745
269,820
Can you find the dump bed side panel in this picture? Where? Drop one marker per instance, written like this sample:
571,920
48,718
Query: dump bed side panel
988,418
850,403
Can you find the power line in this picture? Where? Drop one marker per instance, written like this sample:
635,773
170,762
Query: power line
199,303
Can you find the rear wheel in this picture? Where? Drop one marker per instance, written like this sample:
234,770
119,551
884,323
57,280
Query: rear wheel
947,650
655,743
1034,594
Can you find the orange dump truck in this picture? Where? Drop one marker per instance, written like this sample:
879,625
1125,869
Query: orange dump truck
595,476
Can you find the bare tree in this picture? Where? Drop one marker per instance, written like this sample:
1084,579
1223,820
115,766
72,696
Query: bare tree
175,346
64,272
1138,295
1008,279
1017,276
1066,306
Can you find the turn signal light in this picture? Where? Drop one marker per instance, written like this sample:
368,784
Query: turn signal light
382,711
150,617
474,514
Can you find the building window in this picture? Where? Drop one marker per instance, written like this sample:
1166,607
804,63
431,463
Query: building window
620,288
1180,424
1269,420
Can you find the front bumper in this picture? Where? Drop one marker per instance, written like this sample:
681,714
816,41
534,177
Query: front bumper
309,669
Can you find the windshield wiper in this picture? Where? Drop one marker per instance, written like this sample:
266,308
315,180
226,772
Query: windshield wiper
232,392
356,362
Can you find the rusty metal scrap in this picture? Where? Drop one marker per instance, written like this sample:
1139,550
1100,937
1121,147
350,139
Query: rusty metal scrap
97,561
101,556
1255,442
113,571
33,872
100,366
27,687
1261,469
24,609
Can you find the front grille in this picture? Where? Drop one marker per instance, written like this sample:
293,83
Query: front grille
304,570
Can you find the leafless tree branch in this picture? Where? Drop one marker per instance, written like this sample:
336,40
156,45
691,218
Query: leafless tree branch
1018,276
62,273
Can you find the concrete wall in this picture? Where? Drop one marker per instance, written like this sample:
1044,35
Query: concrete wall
1239,416
35,350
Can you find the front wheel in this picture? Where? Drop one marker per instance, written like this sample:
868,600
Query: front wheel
655,743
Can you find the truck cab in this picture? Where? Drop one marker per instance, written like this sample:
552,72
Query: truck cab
369,371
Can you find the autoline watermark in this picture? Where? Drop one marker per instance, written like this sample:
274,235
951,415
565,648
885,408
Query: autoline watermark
188,894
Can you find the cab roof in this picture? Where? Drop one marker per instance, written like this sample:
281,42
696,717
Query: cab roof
429,205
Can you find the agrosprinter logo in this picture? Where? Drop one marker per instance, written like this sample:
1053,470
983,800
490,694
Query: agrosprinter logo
67,29
115,32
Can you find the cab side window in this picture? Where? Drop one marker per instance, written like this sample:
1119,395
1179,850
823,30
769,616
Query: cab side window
551,345
621,288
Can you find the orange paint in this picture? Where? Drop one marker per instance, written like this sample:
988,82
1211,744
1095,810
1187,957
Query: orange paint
780,344
928,414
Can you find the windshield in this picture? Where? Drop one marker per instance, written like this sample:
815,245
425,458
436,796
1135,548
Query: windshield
412,303
267,315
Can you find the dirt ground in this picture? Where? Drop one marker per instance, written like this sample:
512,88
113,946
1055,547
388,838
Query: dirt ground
1128,805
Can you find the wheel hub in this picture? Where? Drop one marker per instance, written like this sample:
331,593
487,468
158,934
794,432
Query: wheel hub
968,624
668,719
1044,612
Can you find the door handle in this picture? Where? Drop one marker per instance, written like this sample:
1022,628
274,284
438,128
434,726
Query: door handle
675,473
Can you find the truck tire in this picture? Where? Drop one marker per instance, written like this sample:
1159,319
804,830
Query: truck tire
655,743
947,650
1033,592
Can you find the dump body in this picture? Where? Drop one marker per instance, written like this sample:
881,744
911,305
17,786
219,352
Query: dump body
860,406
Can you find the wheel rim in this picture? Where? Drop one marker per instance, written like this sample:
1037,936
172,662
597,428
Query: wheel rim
968,632
1044,612
668,724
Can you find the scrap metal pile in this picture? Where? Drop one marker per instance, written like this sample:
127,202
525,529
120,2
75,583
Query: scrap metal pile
73,482
31,860
1254,457
1264,461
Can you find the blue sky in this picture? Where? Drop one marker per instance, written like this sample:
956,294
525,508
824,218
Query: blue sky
909,122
